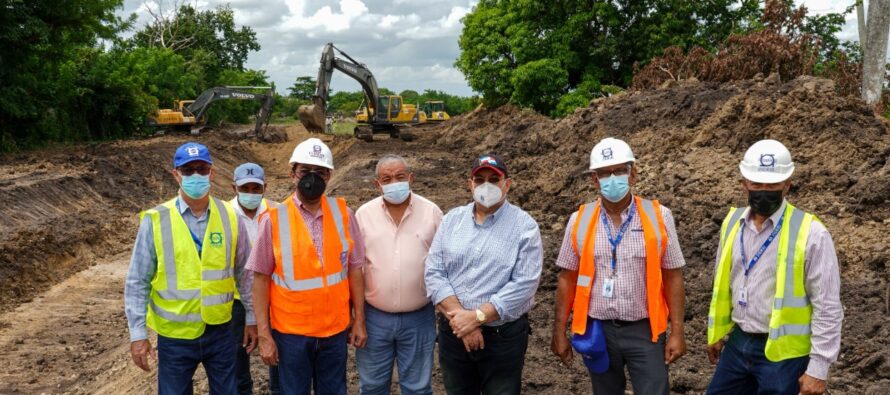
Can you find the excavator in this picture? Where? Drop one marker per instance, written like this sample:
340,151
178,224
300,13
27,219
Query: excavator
384,114
191,114
435,111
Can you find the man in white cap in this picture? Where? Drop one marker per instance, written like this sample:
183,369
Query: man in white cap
307,264
774,324
622,266
249,185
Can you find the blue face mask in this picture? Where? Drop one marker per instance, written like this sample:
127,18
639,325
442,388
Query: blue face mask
196,186
614,188
397,192
250,201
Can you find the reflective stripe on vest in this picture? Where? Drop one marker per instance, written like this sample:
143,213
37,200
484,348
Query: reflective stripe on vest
584,237
289,281
180,311
789,325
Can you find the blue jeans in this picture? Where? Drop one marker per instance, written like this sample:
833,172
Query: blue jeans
242,359
495,369
178,359
311,362
408,338
744,369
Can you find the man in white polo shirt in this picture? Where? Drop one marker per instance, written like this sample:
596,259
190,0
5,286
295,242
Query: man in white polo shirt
398,229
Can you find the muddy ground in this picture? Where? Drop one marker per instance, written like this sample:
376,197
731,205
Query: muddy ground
70,217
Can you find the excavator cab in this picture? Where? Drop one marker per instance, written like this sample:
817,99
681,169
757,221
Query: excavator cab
435,111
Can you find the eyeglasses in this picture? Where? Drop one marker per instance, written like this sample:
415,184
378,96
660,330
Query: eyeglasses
479,180
304,171
603,173
187,171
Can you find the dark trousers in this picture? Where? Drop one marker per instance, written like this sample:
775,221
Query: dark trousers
744,369
495,369
242,360
178,359
630,344
307,362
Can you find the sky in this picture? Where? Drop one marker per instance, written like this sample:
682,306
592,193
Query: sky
407,44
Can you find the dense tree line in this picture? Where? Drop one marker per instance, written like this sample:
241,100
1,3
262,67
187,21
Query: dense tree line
556,56
68,75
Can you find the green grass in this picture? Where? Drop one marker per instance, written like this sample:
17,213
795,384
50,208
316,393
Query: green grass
344,128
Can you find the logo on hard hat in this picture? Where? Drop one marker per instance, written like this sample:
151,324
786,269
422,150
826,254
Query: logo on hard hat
316,152
768,160
607,153
193,151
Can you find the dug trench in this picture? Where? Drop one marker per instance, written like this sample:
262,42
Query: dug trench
71,215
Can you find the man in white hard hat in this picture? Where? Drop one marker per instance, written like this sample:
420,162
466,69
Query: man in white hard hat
774,324
622,276
307,265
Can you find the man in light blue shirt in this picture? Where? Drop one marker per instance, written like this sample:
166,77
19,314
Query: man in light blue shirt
482,272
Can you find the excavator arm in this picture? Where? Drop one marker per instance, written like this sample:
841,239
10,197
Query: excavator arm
312,115
199,107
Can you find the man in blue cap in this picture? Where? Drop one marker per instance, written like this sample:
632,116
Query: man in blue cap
184,271
249,185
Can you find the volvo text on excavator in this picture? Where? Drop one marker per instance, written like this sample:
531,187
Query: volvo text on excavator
383,114
191,114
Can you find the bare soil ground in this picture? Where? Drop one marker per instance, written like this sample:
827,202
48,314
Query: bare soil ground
70,217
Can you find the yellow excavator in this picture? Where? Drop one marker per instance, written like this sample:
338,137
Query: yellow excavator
383,114
435,111
191,114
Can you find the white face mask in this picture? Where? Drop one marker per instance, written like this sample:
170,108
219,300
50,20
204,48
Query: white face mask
488,194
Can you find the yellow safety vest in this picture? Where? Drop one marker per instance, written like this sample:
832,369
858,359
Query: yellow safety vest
789,324
189,291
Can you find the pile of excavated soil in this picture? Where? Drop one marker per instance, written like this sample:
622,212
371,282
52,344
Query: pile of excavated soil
688,139
64,208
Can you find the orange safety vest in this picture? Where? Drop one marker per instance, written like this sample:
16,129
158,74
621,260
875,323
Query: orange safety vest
308,296
655,236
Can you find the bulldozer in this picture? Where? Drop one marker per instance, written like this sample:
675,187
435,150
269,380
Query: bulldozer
191,114
383,114
435,111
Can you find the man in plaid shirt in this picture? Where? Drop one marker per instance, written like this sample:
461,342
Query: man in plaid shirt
623,253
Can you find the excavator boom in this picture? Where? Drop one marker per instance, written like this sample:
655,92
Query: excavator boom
312,116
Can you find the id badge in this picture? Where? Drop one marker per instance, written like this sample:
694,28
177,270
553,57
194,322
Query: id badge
743,297
608,287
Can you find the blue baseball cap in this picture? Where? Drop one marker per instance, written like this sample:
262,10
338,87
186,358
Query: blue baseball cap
249,172
190,152
592,346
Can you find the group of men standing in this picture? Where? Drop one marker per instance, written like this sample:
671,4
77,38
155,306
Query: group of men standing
302,279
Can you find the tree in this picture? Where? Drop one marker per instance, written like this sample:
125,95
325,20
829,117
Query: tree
209,37
876,26
577,41
303,88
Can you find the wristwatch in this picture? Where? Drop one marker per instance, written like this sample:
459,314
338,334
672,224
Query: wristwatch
480,316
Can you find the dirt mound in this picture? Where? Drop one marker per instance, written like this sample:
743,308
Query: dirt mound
688,139
66,207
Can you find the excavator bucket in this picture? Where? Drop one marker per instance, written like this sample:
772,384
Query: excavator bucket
312,115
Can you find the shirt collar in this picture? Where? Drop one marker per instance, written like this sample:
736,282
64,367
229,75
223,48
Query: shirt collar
183,206
299,204
772,220
491,218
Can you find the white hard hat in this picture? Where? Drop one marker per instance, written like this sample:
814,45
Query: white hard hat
768,162
313,152
610,151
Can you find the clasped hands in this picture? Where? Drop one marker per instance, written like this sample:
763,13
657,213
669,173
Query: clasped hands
466,327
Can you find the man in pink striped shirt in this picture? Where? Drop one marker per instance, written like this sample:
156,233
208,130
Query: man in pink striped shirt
774,325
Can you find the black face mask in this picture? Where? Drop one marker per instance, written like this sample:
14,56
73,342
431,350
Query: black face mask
311,186
764,202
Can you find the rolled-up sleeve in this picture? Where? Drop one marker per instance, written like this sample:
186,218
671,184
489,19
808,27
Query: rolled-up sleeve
243,278
511,300
437,285
823,288
137,285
